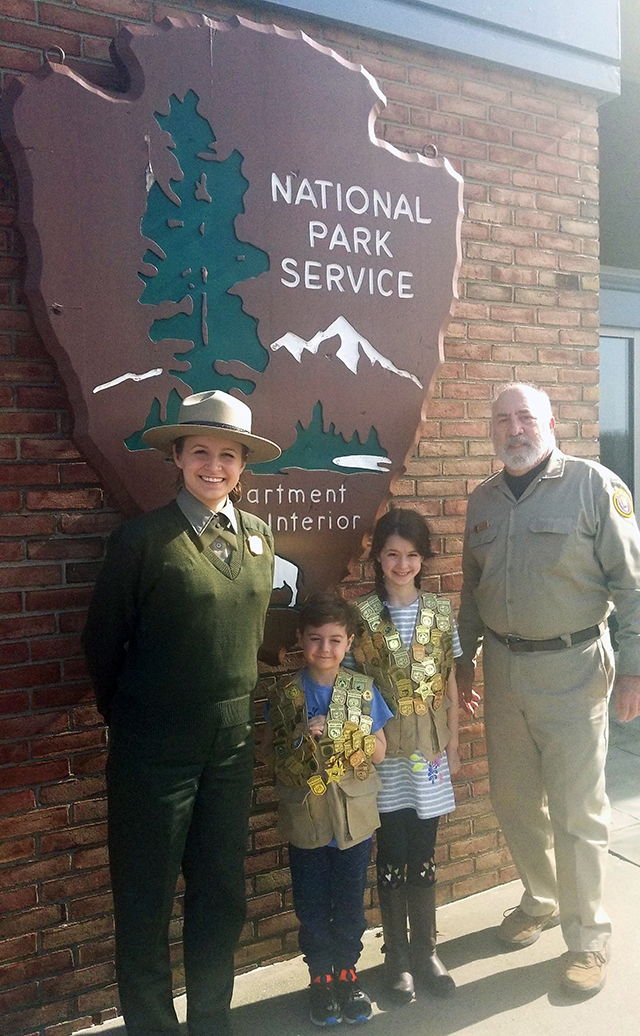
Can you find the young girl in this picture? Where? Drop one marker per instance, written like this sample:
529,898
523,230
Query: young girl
406,643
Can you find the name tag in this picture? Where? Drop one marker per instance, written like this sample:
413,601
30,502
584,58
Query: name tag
255,546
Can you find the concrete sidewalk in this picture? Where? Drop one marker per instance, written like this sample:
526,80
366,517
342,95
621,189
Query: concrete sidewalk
500,993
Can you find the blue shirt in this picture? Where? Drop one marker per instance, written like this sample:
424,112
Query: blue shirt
318,696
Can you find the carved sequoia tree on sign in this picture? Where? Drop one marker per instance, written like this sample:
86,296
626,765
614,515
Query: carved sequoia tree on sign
233,222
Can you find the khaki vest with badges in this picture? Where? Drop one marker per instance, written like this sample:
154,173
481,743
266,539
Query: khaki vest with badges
327,788
413,680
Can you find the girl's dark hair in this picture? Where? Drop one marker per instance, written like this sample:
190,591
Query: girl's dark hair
410,526
235,494
326,606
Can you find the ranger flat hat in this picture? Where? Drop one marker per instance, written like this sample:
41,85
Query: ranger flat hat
213,413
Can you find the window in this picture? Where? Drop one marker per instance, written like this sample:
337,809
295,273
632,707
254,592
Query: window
620,404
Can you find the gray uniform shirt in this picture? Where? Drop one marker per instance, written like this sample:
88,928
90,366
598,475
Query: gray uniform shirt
554,561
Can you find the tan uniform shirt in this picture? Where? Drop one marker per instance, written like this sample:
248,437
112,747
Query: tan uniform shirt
554,561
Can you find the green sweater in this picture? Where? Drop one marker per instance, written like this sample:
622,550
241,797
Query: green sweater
173,632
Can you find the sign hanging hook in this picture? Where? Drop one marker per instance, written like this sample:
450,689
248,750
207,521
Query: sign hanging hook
58,51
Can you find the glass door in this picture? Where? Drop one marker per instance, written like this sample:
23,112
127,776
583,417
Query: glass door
620,404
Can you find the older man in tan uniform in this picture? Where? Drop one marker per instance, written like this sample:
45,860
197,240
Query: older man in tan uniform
551,543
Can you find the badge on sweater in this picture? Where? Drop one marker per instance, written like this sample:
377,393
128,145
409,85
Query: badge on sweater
623,503
254,544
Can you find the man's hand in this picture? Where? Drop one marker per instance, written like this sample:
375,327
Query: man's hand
465,673
626,698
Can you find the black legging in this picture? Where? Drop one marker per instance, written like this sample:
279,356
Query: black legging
406,848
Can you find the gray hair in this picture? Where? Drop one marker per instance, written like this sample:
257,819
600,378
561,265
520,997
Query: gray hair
540,393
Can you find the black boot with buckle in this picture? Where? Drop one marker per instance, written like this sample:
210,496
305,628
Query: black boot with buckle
427,966
397,961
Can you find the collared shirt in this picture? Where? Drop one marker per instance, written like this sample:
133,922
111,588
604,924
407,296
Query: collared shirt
199,516
553,561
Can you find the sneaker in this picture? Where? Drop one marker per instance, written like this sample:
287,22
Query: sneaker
519,929
584,972
354,1002
325,1009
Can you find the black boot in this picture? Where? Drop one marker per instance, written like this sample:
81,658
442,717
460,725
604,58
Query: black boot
393,909
421,901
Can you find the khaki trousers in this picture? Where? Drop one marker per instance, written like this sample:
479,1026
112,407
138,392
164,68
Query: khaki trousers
547,729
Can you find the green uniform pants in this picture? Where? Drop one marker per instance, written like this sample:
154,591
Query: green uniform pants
166,813
547,730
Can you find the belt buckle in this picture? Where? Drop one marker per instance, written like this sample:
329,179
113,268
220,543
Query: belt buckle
513,642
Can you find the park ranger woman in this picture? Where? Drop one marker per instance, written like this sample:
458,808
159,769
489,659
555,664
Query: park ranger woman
171,644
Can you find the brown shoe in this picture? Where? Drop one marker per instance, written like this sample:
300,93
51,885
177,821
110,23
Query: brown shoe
584,972
519,929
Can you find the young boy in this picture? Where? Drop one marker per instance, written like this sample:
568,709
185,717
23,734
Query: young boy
325,730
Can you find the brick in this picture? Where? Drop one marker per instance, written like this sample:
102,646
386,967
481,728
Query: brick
63,18
61,695
17,997
33,773
13,753
22,971
475,883
70,743
511,157
11,552
18,423
48,449
22,946
31,724
433,81
483,92
16,802
509,117
52,600
14,370
35,1018
30,920
12,59
72,838
28,474
64,499
486,172
12,702
92,524
27,525
81,931
64,548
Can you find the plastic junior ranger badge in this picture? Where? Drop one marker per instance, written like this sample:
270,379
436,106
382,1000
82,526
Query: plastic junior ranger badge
317,785
623,503
335,771
254,544
356,758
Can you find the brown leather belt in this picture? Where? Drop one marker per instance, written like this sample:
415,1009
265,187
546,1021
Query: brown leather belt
555,644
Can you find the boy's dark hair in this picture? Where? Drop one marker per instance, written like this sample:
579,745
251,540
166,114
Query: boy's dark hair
410,526
326,606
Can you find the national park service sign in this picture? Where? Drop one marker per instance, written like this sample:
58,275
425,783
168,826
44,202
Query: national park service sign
231,221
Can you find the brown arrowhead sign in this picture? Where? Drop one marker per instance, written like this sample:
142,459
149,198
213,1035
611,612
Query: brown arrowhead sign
231,221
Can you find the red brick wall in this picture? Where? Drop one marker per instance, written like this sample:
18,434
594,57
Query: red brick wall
527,149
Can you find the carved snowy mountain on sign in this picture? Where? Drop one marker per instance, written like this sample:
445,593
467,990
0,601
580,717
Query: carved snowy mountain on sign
352,345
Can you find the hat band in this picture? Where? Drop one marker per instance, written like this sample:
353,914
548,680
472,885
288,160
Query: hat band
218,424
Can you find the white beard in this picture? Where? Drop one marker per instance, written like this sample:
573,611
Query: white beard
524,454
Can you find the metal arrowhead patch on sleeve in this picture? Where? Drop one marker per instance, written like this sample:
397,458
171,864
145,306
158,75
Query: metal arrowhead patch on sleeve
623,503
254,544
